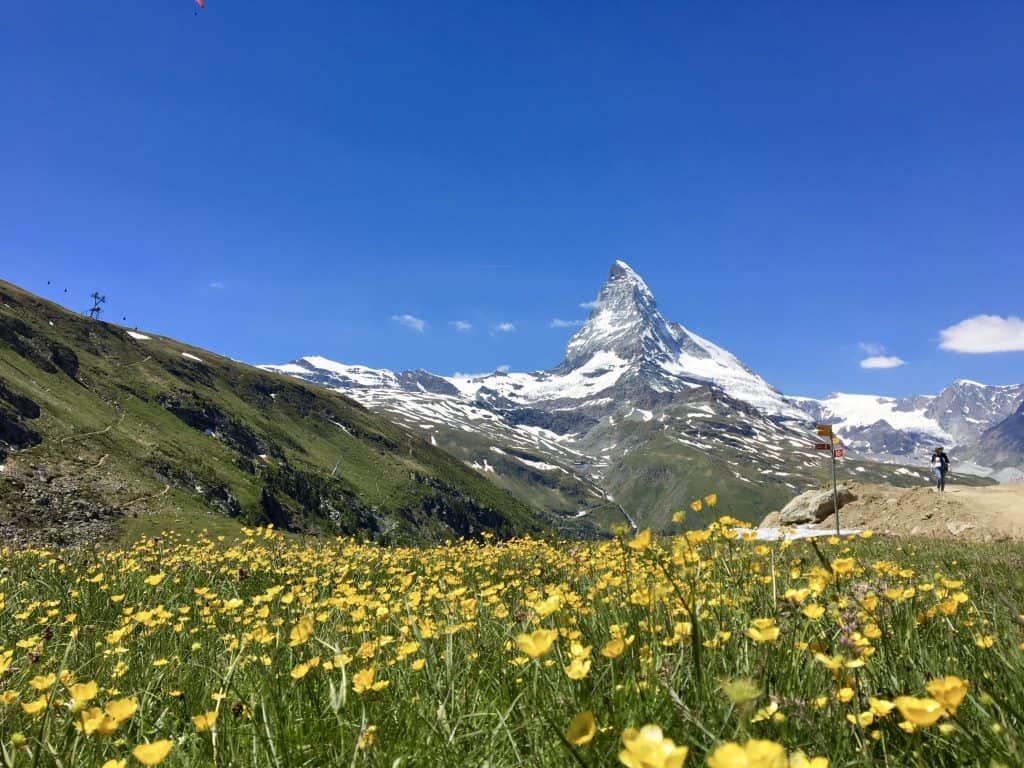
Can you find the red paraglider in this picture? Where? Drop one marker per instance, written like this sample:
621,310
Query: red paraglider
200,4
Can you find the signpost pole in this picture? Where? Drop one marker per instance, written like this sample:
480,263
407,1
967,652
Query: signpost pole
825,430
835,491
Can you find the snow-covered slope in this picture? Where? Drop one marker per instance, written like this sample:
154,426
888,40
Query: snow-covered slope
909,428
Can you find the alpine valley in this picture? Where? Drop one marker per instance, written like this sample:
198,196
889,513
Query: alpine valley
642,416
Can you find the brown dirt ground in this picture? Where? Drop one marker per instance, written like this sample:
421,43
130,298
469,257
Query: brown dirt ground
984,513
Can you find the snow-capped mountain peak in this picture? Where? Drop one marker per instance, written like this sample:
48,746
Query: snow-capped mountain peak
625,322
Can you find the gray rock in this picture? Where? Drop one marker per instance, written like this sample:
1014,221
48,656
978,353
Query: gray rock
814,506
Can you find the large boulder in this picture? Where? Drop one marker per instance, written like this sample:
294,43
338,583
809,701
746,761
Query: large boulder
814,506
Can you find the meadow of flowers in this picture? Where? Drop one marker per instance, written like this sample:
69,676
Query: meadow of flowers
706,648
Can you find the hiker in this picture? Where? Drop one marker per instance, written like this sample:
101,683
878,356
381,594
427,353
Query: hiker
940,466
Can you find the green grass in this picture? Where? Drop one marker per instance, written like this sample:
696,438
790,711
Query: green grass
222,632
127,422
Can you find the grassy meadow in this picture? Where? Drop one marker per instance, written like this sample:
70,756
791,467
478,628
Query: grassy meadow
701,649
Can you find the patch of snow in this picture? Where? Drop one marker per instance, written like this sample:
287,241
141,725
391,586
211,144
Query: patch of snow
138,336
542,465
189,356
340,426
798,532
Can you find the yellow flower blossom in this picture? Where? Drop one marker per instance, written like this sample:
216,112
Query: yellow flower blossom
205,721
649,748
641,541
536,643
152,753
582,729
919,712
949,691
763,631
756,753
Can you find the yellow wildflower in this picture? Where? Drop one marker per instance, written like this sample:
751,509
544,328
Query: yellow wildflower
536,643
642,540
649,748
582,729
919,712
763,631
152,753
949,691
756,753
205,721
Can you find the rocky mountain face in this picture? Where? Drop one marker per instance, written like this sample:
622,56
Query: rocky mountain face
640,417
1003,446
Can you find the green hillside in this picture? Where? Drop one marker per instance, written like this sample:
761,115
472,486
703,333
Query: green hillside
104,433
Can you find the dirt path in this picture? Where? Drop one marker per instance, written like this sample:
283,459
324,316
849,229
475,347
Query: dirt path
982,513
148,498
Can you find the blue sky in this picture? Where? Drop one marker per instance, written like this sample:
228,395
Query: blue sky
798,183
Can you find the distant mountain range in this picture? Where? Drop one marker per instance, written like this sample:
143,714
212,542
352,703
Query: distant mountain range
642,415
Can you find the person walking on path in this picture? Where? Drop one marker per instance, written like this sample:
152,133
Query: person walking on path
940,467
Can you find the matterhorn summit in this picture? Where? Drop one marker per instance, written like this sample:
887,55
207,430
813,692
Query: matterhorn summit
626,329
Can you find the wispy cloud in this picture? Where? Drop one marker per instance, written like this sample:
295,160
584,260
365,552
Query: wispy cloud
464,375
215,285
411,322
504,327
461,326
559,323
876,357
983,334
588,304
882,361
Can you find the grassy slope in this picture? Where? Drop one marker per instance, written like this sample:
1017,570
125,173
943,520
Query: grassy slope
123,427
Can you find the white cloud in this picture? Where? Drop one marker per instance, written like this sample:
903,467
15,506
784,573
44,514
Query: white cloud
503,368
876,357
504,327
559,323
983,334
216,285
882,361
410,321
461,326
588,304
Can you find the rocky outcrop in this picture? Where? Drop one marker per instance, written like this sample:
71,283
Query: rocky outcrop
814,506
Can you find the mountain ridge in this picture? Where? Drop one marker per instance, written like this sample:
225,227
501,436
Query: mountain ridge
99,423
